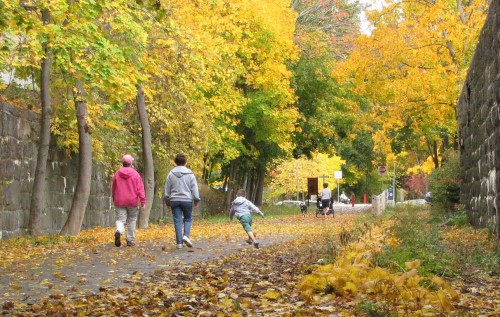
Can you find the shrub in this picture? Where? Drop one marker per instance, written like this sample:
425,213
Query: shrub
444,183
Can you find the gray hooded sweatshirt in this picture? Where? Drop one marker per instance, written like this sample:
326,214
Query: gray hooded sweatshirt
181,185
242,206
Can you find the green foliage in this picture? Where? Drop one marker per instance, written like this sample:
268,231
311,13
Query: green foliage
445,250
372,309
419,239
444,183
460,218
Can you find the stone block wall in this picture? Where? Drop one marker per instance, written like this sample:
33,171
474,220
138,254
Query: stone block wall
19,130
479,128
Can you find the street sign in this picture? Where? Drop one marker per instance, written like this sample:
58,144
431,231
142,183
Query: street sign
382,170
337,174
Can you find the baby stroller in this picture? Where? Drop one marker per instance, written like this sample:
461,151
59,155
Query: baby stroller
319,211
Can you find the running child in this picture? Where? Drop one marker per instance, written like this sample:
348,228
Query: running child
242,208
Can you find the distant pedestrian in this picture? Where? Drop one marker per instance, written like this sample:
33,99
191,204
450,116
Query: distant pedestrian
181,194
353,199
243,208
127,191
343,198
326,196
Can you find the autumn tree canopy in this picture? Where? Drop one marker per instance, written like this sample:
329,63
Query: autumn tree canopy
412,67
242,86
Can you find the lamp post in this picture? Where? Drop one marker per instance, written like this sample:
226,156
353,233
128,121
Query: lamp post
338,176
394,184
297,178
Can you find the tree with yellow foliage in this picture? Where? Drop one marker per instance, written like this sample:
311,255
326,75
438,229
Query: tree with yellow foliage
289,178
412,68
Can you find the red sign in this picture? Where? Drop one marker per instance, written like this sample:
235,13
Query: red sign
382,170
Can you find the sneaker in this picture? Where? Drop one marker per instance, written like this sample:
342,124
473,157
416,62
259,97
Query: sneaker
179,246
130,243
187,241
256,244
249,241
117,239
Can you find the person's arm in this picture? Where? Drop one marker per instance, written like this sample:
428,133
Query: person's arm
255,209
194,191
232,211
140,190
166,191
113,187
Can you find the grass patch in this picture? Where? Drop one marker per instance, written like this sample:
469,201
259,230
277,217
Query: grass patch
445,243
373,310
270,212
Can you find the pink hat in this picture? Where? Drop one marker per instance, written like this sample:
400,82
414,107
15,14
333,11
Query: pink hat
127,159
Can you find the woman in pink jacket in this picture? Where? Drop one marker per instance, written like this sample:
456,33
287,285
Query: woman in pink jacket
127,191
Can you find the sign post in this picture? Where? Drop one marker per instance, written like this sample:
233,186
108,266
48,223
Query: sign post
338,177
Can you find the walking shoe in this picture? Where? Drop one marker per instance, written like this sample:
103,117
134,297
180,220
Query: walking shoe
117,239
179,246
130,243
187,241
256,244
249,241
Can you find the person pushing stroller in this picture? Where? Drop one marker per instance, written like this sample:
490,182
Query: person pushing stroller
243,208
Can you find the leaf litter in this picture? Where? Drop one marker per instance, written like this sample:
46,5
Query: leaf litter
221,276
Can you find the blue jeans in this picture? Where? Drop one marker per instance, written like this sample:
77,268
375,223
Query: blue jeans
181,212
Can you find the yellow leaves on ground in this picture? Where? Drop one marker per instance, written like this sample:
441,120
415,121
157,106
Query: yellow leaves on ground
272,294
245,282
354,275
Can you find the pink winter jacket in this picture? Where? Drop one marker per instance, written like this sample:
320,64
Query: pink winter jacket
128,188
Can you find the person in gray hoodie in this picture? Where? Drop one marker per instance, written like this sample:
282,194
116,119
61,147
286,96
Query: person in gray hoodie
181,194
242,208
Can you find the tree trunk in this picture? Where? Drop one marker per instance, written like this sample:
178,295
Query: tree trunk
228,195
149,173
433,152
37,206
82,191
259,191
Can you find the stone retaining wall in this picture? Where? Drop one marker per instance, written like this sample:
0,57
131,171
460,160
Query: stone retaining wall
479,128
19,129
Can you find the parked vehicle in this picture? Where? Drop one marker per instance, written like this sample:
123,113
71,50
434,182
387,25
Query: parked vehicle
289,203
292,202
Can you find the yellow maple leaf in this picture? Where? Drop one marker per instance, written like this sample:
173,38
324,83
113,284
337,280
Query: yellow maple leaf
271,294
414,264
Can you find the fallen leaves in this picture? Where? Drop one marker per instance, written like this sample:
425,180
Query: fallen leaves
287,277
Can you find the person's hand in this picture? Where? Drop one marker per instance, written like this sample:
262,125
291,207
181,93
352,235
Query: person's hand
196,204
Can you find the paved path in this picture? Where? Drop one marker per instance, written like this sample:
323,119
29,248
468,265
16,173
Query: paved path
84,272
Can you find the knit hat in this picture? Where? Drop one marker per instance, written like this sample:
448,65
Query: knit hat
128,159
